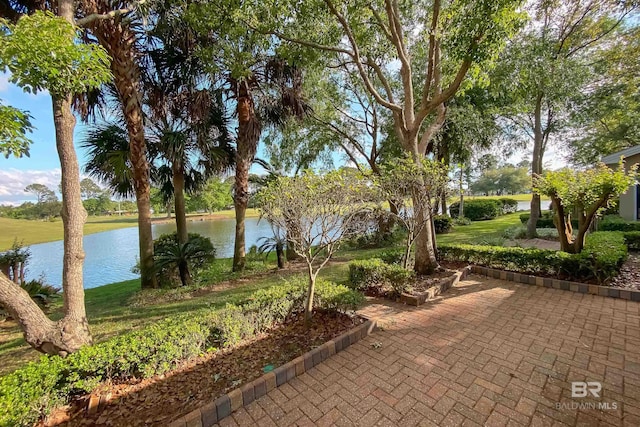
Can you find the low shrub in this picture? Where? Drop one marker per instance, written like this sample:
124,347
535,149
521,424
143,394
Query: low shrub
374,275
632,240
601,258
392,256
462,221
442,223
32,391
478,210
508,205
616,223
169,256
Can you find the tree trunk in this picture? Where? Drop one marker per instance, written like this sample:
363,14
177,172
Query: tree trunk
461,209
185,276
443,203
308,311
168,207
249,131
119,42
181,213
425,262
292,255
280,255
563,225
536,168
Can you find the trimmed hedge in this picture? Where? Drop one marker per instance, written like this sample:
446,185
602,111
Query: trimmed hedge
478,209
601,258
632,239
33,391
442,223
615,223
376,275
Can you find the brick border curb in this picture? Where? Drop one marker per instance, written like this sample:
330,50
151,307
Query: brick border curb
565,285
440,288
209,414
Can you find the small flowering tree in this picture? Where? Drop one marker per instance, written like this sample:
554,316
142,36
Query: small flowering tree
585,193
404,183
318,212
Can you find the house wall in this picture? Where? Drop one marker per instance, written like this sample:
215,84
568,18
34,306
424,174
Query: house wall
629,200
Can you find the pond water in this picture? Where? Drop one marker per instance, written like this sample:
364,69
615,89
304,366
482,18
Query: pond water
111,255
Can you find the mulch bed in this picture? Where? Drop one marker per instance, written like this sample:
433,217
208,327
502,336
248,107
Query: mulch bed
629,277
159,400
425,282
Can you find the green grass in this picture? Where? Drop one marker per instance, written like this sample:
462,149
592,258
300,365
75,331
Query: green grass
480,229
120,307
32,231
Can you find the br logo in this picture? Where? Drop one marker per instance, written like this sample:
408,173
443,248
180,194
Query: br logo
582,389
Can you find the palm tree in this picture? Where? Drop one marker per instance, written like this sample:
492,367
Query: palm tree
277,243
178,255
119,36
276,106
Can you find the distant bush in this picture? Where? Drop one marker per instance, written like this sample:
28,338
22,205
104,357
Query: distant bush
601,258
545,220
442,223
508,205
31,392
478,209
374,275
632,240
461,221
616,223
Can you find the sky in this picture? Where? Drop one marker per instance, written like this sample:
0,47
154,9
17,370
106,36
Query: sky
43,166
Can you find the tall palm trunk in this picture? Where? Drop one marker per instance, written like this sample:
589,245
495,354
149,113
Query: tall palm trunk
181,212
119,42
249,130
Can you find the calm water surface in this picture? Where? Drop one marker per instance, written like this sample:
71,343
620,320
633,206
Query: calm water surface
111,255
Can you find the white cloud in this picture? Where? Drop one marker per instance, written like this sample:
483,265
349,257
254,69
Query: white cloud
4,82
14,181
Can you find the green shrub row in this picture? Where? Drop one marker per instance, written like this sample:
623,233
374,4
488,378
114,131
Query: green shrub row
616,223
545,221
601,258
484,209
32,391
632,239
374,275
442,223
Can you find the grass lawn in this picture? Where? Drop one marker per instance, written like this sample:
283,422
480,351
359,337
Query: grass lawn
518,197
30,232
120,307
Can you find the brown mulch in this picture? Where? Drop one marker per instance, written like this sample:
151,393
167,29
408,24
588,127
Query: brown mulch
425,282
159,400
629,277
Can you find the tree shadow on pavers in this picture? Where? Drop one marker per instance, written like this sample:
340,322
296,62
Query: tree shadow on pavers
506,342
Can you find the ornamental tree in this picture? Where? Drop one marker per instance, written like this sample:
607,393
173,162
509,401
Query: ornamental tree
411,186
54,61
583,193
411,58
318,212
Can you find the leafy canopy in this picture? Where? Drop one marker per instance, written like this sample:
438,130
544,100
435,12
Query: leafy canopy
587,190
42,53
14,125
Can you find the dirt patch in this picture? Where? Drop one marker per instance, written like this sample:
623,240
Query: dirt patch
159,400
629,277
425,282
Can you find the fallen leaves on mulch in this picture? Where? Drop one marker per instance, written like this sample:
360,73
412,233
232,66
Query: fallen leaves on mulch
425,282
161,399
629,277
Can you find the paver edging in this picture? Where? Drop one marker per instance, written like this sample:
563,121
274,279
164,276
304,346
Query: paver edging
441,287
565,285
212,412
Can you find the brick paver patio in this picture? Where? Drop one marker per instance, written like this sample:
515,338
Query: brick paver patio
488,353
